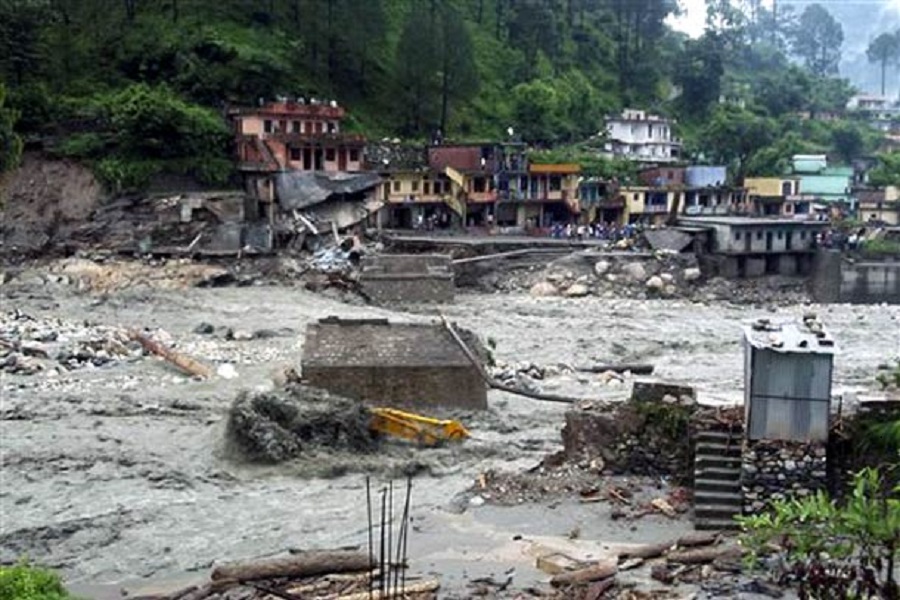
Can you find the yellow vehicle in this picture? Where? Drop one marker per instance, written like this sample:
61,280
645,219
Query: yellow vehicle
425,431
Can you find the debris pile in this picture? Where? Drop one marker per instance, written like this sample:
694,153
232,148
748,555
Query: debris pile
30,345
325,574
640,275
275,426
525,375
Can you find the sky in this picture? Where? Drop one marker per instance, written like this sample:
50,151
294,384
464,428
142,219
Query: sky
693,18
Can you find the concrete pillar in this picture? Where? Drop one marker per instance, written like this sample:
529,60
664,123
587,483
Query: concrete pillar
729,268
826,276
787,264
755,267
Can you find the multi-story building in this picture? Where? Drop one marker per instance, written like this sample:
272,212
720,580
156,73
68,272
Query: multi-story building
778,196
293,135
546,195
646,205
417,198
879,206
639,136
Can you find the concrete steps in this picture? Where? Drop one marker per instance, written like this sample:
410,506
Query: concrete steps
717,480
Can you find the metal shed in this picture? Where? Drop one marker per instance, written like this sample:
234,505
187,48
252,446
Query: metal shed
787,379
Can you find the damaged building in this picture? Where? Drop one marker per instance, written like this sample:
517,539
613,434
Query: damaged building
412,365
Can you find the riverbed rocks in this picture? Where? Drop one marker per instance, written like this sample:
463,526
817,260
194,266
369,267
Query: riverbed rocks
30,345
543,289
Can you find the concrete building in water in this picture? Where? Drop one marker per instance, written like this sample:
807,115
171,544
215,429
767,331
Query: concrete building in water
413,365
752,247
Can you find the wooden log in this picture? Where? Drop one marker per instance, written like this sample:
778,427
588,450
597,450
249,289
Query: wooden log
183,362
414,589
306,564
692,540
704,555
495,385
647,551
635,368
598,588
603,570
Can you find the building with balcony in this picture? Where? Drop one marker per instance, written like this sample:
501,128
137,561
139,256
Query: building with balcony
640,136
778,196
648,206
422,198
600,201
293,135
546,194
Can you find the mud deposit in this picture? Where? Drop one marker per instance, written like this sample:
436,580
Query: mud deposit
119,471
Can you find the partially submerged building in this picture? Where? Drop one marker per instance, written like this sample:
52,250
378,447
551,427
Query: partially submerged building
751,247
414,365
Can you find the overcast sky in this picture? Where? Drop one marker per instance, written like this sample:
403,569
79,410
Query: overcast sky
694,11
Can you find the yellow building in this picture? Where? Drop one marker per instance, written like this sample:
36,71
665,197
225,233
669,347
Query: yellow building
548,194
776,196
650,206
422,199
880,206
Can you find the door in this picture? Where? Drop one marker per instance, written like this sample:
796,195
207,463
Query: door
342,159
769,236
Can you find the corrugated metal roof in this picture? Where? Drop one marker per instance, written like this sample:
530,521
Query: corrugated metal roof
807,336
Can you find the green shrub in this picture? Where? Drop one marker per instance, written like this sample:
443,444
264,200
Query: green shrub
26,582
879,247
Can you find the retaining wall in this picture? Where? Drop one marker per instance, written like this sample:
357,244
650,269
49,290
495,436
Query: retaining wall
837,279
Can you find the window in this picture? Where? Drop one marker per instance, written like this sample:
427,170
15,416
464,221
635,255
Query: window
438,189
415,185
637,197
737,236
780,235
283,126
318,126
354,155
396,186
555,183
479,185
426,187
295,127
267,126
759,235
802,235
329,155
295,153
331,127
649,131
787,188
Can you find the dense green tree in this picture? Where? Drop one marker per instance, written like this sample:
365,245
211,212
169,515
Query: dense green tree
848,141
21,47
817,39
698,71
734,135
10,142
459,78
883,50
887,172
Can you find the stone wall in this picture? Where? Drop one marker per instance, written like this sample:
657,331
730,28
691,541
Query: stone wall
401,278
836,279
773,470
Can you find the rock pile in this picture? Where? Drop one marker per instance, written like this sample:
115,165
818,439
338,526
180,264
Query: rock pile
272,427
774,470
614,274
29,345
525,375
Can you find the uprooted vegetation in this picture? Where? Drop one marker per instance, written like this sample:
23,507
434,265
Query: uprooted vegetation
275,426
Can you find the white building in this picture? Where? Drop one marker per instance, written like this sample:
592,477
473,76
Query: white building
639,136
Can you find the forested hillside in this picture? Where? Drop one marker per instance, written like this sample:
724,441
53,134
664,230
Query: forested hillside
135,86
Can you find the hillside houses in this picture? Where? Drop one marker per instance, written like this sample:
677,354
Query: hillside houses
496,186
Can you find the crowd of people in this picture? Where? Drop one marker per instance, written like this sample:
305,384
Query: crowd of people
598,231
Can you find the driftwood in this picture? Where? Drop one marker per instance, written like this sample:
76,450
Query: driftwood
603,570
598,588
636,368
306,564
496,385
704,555
697,539
648,551
422,588
183,362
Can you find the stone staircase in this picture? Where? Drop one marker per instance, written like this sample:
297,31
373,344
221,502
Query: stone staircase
717,479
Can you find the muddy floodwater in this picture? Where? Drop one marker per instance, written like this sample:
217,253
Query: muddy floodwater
119,472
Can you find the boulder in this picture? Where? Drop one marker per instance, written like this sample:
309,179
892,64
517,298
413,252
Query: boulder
655,283
667,277
692,274
543,289
577,290
601,267
670,290
635,271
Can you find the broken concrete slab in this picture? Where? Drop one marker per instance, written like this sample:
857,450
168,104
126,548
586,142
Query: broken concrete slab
408,278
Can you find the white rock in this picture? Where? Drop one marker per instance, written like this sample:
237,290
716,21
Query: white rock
655,283
476,501
544,288
670,290
601,267
667,277
241,335
612,277
556,277
227,371
692,274
635,271
577,290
